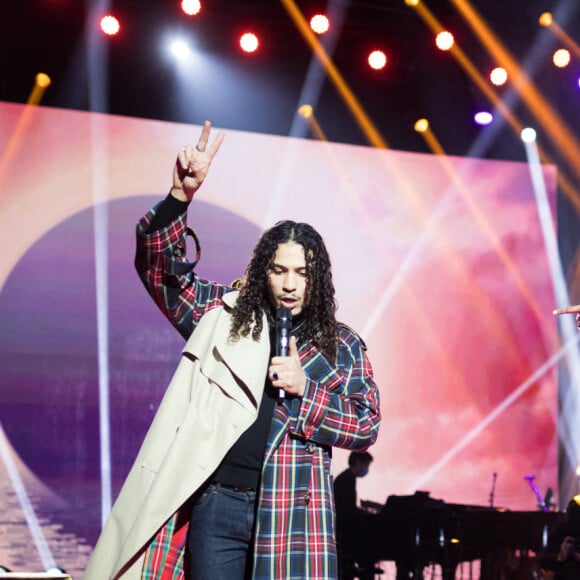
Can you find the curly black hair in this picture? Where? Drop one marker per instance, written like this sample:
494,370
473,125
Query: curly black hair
319,322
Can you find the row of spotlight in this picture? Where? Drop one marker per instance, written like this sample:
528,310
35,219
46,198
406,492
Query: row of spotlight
377,59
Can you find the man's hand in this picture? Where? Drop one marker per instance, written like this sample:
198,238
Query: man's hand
286,372
192,164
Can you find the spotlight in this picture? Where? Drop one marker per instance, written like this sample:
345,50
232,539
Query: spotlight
305,111
498,76
412,2
421,125
41,83
319,23
179,49
483,118
561,58
528,135
444,40
43,80
546,19
110,25
249,42
191,7
377,59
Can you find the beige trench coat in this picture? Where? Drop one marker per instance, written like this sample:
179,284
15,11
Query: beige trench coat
205,409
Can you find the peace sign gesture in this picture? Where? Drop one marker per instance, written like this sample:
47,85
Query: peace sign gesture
192,164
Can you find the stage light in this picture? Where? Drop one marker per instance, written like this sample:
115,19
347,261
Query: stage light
305,111
498,76
528,135
377,59
42,80
483,118
191,7
546,19
41,83
179,49
319,23
444,40
110,25
412,2
249,42
421,125
561,58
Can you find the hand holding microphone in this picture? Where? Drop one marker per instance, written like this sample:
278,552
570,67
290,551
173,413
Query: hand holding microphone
285,370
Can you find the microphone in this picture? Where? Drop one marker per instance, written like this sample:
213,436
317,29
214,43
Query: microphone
530,479
283,328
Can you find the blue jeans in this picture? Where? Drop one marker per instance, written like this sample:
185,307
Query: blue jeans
221,534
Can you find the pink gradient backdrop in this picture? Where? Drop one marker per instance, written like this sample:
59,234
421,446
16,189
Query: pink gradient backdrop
438,262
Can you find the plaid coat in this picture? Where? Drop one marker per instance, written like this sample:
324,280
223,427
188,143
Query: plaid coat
295,524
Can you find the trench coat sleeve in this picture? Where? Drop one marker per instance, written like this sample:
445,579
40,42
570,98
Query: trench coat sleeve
162,265
340,406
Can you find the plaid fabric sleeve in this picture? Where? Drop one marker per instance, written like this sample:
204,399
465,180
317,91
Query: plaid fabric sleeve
169,278
340,406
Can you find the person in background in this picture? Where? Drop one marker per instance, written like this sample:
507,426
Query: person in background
565,564
347,509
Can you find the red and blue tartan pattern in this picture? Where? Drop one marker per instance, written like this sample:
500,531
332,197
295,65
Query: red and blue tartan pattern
165,556
295,524
161,263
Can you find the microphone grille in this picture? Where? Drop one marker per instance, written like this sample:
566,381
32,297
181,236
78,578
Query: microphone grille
283,317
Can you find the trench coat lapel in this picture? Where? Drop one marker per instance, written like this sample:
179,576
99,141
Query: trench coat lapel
238,368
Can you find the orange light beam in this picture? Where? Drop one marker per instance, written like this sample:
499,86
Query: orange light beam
41,83
551,122
307,113
470,69
565,38
494,98
371,132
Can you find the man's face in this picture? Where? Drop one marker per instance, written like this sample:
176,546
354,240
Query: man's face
287,277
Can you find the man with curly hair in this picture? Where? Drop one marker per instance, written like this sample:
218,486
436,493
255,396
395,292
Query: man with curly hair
233,479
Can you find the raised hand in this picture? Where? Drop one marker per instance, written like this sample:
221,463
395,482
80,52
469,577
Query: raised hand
192,164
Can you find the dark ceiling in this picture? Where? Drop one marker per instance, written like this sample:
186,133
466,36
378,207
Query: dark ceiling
262,92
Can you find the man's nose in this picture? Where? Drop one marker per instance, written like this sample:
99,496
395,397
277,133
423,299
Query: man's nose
289,282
